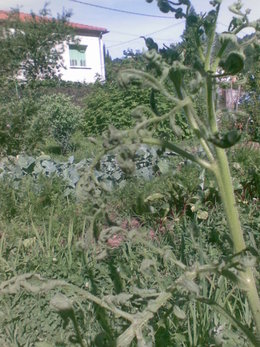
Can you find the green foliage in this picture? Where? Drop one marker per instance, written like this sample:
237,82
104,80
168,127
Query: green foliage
110,170
28,51
53,240
38,196
57,117
15,120
252,105
29,123
128,276
169,266
29,47
109,105
246,172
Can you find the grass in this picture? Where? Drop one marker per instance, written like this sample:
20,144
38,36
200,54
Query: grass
43,232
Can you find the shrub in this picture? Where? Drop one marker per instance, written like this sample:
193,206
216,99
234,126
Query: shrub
109,104
15,120
57,117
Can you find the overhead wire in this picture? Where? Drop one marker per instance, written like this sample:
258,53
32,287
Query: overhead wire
149,34
152,33
131,13
122,33
121,11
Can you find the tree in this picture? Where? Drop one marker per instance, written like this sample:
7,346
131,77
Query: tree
31,45
30,50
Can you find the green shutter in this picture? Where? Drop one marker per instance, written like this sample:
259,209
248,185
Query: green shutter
77,56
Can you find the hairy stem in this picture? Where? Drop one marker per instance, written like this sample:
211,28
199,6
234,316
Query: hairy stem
226,190
247,281
178,150
190,112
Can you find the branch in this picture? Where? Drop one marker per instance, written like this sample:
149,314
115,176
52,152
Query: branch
178,150
140,319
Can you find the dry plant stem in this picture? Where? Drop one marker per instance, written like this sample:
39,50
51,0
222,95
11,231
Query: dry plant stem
36,284
141,319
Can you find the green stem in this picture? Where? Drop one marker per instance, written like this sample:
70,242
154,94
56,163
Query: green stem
158,119
190,114
211,39
210,105
247,280
224,181
178,150
219,56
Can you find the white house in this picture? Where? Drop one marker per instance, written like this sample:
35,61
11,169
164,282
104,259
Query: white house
84,61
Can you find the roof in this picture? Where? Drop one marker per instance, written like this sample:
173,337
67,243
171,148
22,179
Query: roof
81,27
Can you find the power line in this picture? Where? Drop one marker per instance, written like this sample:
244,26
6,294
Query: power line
121,11
154,32
224,25
138,36
122,33
123,43
168,27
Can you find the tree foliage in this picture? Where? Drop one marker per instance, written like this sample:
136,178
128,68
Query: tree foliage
31,47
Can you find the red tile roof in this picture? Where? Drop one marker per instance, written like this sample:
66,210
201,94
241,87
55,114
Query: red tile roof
81,27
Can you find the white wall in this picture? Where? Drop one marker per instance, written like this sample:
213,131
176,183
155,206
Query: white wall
94,61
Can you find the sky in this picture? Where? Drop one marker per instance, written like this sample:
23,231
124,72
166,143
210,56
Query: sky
125,29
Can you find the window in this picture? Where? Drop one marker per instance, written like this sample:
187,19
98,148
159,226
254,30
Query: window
78,56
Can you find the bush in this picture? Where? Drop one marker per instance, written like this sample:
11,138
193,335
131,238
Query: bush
27,124
15,120
108,104
57,117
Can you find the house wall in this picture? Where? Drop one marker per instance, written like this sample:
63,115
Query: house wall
94,61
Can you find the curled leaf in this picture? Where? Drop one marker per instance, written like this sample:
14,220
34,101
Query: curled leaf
150,43
225,140
228,37
164,6
233,64
130,75
190,286
236,8
147,264
196,83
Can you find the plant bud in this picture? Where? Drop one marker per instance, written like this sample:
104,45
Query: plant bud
61,303
233,64
164,6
